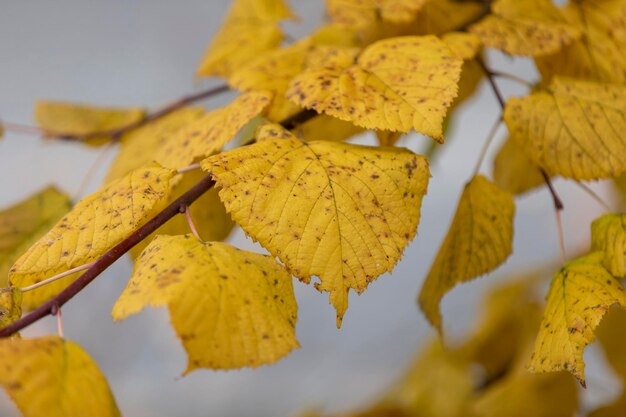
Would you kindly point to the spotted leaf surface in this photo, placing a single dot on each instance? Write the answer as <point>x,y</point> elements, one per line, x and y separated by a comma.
<point>598,53</point>
<point>514,171</point>
<point>362,13</point>
<point>572,129</point>
<point>579,296</point>
<point>341,212</point>
<point>22,224</point>
<point>139,146</point>
<point>229,307</point>
<point>75,119</point>
<point>93,226</point>
<point>249,29</point>
<point>53,377</point>
<point>608,234</point>
<point>531,27</point>
<point>396,84</point>
<point>10,305</point>
<point>480,238</point>
<point>209,133</point>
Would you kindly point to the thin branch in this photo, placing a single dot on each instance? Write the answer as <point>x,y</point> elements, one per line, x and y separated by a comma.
<point>92,170</point>
<point>21,129</point>
<point>511,77</point>
<point>490,138</point>
<point>113,254</point>
<point>594,195</point>
<point>558,207</point>
<point>56,277</point>
<point>492,82</point>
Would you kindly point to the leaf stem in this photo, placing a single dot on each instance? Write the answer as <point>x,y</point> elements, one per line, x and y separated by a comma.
<point>191,224</point>
<point>595,196</point>
<point>188,168</point>
<point>558,207</point>
<point>56,277</point>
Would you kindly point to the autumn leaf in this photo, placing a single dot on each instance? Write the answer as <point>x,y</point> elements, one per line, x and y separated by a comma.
<point>464,45</point>
<point>22,224</point>
<point>598,54</point>
<point>229,307</point>
<point>207,212</point>
<point>530,27</point>
<point>363,13</point>
<point>250,28</point>
<point>480,238</point>
<point>572,129</point>
<point>325,127</point>
<point>93,226</point>
<point>209,133</point>
<point>341,212</point>
<point>387,87</point>
<point>53,377</point>
<point>608,234</point>
<point>139,146</point>
<point>82,120</point>
<point>10,305</point>
<point>513,171</point>
<point>580,294</point>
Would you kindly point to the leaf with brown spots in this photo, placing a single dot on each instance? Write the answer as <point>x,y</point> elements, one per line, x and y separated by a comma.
<point>74,119</point>
<point>529,27</point>
<point>480,238</point>
<point>229,307</point>
<point>514,171</point>
<point>139,146</point>
<point>573,129</point>
<point>396,84</point>
<point>53,377</point>
<point>92,227</point>
<point>599,53</point>
<point>250,28</point>
<point>208,134</point>
<point>341,212</point>
<point>608,234</point>
<point>22,224</point>
<point>10,305</point>
<point>579,296</point>
<point>363,13</point>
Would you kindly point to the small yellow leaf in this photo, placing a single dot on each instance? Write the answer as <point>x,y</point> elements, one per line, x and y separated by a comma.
<point>572,129</point>
<point>250,28</point>
<point>74,119</point>
<point>363,13</point>
<point>599,53</point>
<point>138,146</point>
<point>341,212</point>
<point>209,133</point>
<point>207,212</point>
<point>92,227</point>
<point>530,27</point>
<point>580,294</point>
<point>608,234</point>
<point>464,45</point>
<point>229,307</point>
<point>22,224</point>
<point>53,377</point>
<point>480,238</point>
<point>514,171</point>
<point>10,305</point>
<point>387,88</point>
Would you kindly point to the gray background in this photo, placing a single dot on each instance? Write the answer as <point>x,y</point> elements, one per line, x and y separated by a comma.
<point>144,52</point>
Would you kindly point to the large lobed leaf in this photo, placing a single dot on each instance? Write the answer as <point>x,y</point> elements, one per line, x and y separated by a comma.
<point>341,212</point>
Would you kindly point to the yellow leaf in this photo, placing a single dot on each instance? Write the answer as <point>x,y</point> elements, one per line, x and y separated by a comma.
<point>22,224</point>
<point>581,292</point>
<point>92,227</point>
<point>514,171</point>
<point>74,119</point>
<point>10,305</point>
<point>362,13</point>
<point>464,45</point>
<point>250,28</point>
<point>572,129</point>
<point>608,234</point>
<point>441,16</point>
<point>387,138</point>
<point>53,377</point>
<point>208,214</point>
<point>530,27</point>
<point>387,88</point>
<point>480,238</point>
<point>209,133</point>
<point>325,127</point>
<point>229,307</point>
<point>341,212</point>
<point>139,146</point>
<point>599,53</point>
